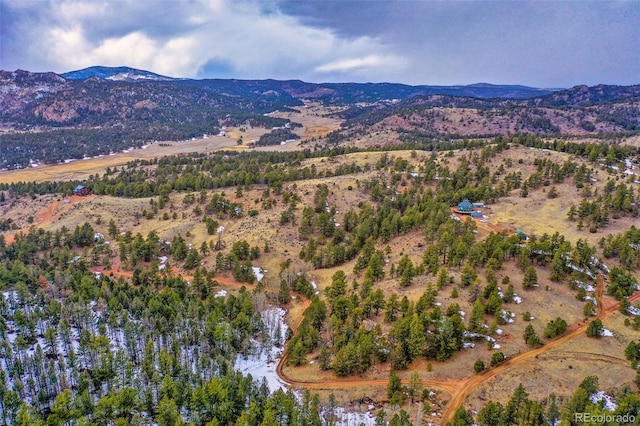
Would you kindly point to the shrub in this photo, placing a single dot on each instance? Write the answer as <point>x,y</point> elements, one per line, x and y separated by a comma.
<point>595,328</point>
<point>497,358</point>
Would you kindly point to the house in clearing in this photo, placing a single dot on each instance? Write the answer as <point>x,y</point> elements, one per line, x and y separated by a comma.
<point>465,207</point>
<point>81,190</point>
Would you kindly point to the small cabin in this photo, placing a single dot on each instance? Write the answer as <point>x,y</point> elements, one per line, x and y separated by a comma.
<point>81,190</point>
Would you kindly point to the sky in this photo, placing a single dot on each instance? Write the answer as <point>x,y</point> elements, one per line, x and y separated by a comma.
<point>539,43</point>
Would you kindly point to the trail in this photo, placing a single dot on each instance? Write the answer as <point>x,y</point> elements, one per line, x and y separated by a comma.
<point>283,360</point>
<point>46,216</point>
<point>588,356</point>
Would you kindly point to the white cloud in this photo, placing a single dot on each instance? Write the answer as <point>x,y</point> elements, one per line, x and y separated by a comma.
<point>550,44</point>
<point>184,38</point>
<point>357,64</point>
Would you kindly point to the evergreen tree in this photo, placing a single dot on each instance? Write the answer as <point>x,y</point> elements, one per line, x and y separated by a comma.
<point>530,278</point>
<point>595,328</point>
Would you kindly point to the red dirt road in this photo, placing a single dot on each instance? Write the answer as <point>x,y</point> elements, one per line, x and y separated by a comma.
<point>459,390</point>
<point>604,308</point>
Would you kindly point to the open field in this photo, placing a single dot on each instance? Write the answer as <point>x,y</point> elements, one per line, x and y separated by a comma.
<point>313,119</point>
<point>82,169</point>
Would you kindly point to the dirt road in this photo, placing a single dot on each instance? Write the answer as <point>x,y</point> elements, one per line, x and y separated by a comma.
<point>459,390</point>
<point>47,215</point>
<point>604,309</point>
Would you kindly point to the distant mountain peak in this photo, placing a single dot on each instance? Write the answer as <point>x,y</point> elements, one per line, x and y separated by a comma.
<point>115,74</point>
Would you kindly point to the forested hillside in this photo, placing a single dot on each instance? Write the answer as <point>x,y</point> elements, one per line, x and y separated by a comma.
<point>139,315</point>
<point>47,118</point>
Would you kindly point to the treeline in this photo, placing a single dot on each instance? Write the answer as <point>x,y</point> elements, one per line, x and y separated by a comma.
<point>276,137</point>
<point>193,173</point>
<point>196,172</point>
<point>581,407</point>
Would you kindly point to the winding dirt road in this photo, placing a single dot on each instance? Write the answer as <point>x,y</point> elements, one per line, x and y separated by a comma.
<point>459,390</point>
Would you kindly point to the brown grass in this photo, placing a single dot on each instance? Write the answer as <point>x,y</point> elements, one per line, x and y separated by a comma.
<point>534,215</point>
<point>561,369</point>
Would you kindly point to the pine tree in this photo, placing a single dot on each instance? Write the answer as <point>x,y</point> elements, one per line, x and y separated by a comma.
<point>595,328</point>
<point>112,229</point>
<point>528,333</point>
<point>476,319</point>
<point>517,405</point>
<point>492,414</point>
<point>443,279</point>
<point>530,278</point>
<point>168,413</point>
<point>392,308</point>
<point>462,418</point>
<point>417,339</point>
<point>394,387</point>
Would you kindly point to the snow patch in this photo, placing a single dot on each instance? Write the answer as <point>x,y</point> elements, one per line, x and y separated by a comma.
<point>341,417</point>
<point>262,361</point>
<point>609,404</point>
<point>633,310</point>
<point>258,272</point>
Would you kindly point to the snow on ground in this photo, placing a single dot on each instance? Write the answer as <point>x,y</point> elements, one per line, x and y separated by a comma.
<point>221,293</point>
<point>258,272</point>
<point>508,316</point>
<point>352,418</point>
<point>517,300</point>
<point>478,336</point>
<point>609,404</point>
<point>263,360</point>
<point>606,333</point>
<point>633,310</point>
<point>585,286</point>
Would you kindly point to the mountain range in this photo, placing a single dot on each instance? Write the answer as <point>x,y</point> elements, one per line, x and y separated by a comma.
<point>50,117</point>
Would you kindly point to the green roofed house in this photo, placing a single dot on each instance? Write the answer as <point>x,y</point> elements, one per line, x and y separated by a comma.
<point>465,206</point>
